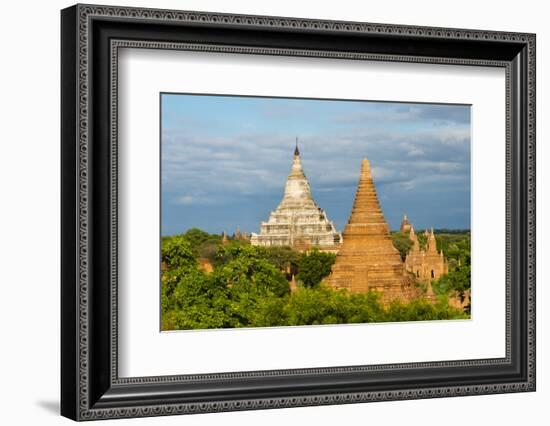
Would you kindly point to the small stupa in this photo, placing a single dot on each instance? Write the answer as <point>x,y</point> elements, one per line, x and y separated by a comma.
<point>405,224</point>
<point>367,259</point>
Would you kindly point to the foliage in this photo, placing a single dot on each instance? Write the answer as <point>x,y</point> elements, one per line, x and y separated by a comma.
<point>402,242</point>
<point>248,287</point>
<point>422,240</point>
<point>177,252</point>
<point>423,310</point>
<point>209,250</point>
<point>250,272</point>
<point>196,237</point>
<point>451,231</point>
<point>203,244</point>
<point>240,292</point>
<point>323,305</point>
<point>283,258</point>
<point>457,280</point>
<point>313,266</point>
<point>230,250</point>
<point>456,247</point>
<point>198,301</point>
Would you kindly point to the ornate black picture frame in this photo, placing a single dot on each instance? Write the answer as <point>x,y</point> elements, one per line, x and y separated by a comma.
<point>91,37</point>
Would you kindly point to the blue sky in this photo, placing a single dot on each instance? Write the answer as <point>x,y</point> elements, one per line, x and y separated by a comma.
<point>225,159</point>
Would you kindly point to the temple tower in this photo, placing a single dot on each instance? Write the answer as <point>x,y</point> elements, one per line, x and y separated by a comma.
<point>405,225</point>
<point>238,235</point>
<point>298,222</point>
<point>367,259</point>
<point>428,264</point>
<point>414,239</point>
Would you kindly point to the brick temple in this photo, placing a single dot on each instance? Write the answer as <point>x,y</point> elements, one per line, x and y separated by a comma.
<point>367,259</point>
<point>427,264</point>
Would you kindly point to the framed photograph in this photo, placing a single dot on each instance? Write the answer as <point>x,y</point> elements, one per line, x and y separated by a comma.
<point>263,212</point>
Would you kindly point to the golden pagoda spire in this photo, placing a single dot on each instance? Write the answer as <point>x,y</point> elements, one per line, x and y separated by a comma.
<point>432,245</point>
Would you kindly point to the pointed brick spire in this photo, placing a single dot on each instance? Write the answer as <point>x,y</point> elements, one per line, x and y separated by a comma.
<point>430,295</point>
<point>367,259</point>
<point>432,245</point>
<point>414,239</point>
<point>366,208</point>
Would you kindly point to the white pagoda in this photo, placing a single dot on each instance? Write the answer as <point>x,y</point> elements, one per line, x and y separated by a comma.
<point>298,222</point>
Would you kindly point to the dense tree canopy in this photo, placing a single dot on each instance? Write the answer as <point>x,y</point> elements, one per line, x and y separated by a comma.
<point>196,237</point>
<point>177,253</point>
<point>314,266</point>
<point>249,286</point>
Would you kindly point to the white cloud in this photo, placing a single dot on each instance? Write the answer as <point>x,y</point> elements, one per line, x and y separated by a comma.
<point>188,200</point>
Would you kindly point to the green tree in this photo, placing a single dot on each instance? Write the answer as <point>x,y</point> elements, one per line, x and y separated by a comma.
<point>319,305</point>
<point>249,289</point>
<point>196,237</point>
<point>457,250</point>
<point>367,308</point>
<point>422,310</point>
<point>177,252</point>
<point>401,242</point>
<point>209,249</point>
<point>283,257</point>
<point>458,280</point>
<point>231,250</point>
<point>250,271</point>
<point>313,266</point>
<point>269,312</point>
<point>324,305</point>
<point>254,285</point>
<point>198,301</point>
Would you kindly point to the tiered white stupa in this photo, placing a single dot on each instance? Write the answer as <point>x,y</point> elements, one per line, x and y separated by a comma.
<point>298,221</point>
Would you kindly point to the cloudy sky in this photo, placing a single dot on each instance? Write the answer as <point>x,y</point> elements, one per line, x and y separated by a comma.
<point>225,159</point>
